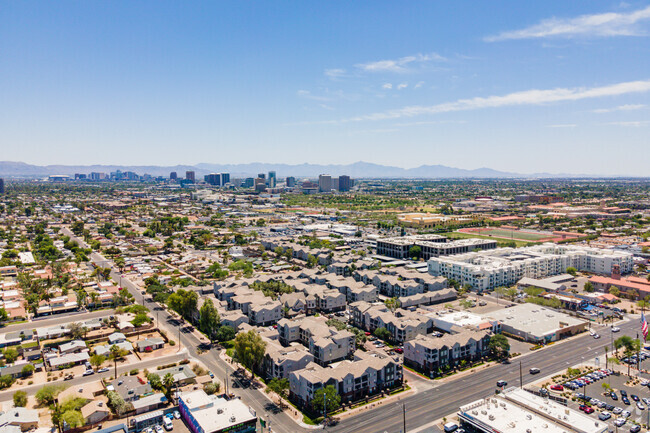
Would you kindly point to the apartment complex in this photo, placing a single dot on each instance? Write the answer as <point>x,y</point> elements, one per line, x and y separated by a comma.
<point>325,343</point>
<point>430,246</point>
<point>487,270</point>
<point>369,374</point>
<point>431,354</point>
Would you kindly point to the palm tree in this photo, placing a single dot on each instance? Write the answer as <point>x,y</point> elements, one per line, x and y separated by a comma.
<point>113,355</point>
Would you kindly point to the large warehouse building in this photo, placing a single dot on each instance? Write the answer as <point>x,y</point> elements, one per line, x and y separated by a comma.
<point>486,270</point>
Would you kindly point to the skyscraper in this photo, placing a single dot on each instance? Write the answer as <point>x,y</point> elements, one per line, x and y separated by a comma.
<point>173,175</point>
<point>189,175</point>
<point>344,183</point>
<point>2,186</point>
<point>272,180</point>
<point>325,183</point>
<point>291,181</point>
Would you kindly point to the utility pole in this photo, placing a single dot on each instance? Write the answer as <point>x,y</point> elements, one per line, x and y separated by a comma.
<point>521,377</point>
<point>404,413</point>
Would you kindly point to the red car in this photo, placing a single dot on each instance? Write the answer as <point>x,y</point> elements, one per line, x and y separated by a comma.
<point>557,388</point>
<point>399,350</point>
<point>586,409</point>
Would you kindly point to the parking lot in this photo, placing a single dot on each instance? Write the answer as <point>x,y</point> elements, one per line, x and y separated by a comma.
<point>622,408</point>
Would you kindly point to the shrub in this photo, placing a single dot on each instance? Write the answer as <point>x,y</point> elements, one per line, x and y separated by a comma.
<point>134,372</point>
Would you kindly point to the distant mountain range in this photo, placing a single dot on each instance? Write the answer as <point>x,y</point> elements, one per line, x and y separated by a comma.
<point>357,170</point>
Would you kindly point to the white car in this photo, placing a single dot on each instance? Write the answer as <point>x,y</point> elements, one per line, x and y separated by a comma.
<point>640,405</point>
<point>626,413</point>
<point>616,329</point>
<point>620,422</point>
<point>159,429</point>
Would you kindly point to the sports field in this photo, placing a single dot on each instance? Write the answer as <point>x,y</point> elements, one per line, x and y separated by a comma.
<point>522,235</point>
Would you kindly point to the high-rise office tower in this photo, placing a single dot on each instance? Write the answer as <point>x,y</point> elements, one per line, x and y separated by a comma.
<point>291,181</point>
<point>344,183</point>
<point>325,183</point>
<point>272,179</point>
<point>189,175</point>
<point>173,175</point>
<point>2,186</point>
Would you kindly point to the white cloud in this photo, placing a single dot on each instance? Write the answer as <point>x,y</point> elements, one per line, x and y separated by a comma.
<point>605,24</point>
<point>308,95</point>
<point>418,85</point>
<point>526,97</point>
<point>566,125</point>
<point>387,86</point>
<point>399,65</point>
<point>402,86</point>
<point>634,123</point>
<point>335,74</point>
<point>626,107</point>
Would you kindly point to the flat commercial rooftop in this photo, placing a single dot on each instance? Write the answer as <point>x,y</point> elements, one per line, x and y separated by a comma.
<point>534,319</point>
<point>519,411</point>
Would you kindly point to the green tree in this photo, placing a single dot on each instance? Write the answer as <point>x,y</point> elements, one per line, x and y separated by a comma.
<point>46,395</point>
<point>10,355</point>
<point>20,399</point>
<point>326,400</point>
<point>279,387</point>
<point>415,252</point>
<point>225,333</point>
<point>630,347</point>
<point>382,333</point>
<point>27,370</point>
<point>168,384</point>
<point>311,261</point>
<point>571,271</point>
<point>393,303</point>
<point>3,314</point>
<point>97,361</point>
<point>140,319</point>
<point>209,319</point>
<point>6,381</point>
<point>250,349</point>
<point>589,287</point>
<point>155,381</point>
<point>499,346</point>
<point>613,290</point>
<point>183,302</point>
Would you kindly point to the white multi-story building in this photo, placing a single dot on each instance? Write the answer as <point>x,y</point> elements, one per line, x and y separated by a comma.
<point>505,266</point>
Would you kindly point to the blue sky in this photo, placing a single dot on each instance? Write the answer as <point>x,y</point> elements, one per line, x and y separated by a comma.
<point>549,86</point>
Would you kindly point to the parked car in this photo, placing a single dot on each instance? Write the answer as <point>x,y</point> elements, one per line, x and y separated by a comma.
<point>635,428</point>
<point>177,414</point>
<point>604,416</point>
<point>69,376</point>
<point>88,372</point>
<point>159,429</point>
<point>586,409</point>
<point>619,422</point>
<point>103,370</point>
<point>557,388</point>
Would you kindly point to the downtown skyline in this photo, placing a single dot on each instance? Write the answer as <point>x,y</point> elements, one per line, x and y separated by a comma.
<point>525,88</point>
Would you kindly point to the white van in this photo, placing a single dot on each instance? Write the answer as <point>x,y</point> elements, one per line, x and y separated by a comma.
<point>450,427</point>
<point>167,423</point>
